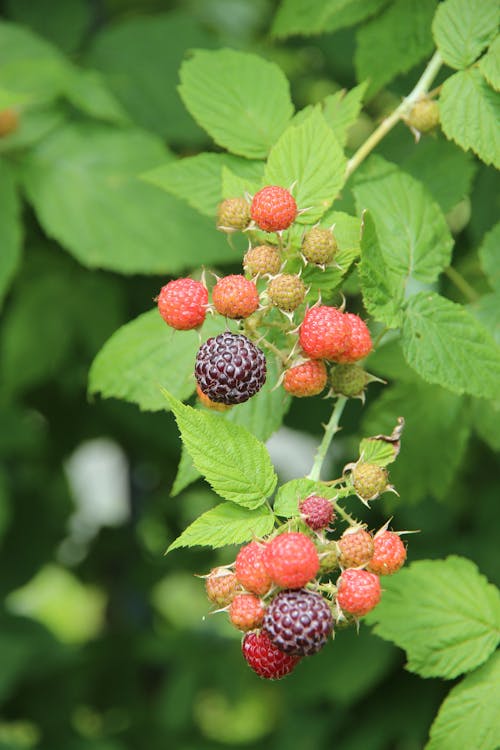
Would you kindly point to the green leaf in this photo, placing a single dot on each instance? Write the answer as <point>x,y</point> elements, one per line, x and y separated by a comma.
<point>469,715</point>
<point>10,228</point>
<point>489,65</point>
<point>140,57</point>
<point>286,502</point>
<point>490,256</point>
<point>414,238</point>
<point>448,347</point>
<point>382,450</point>
<point>232,460</point>
<point>234,185</point>
<point>34,124</point>
<point>470,112</point>
<point>487,311</point>
<point>485,420</point>
<point>316,17</point>
<point>394,42</point>
<point>382,289</point>
<point>241,100</point>
<point>145,354</point>
<point>463,29</point>
<point>226,524</point>
<point>64,24</point>
<point>310,155</point>
<point>341,110</point>
<point>198,179</point>
<point>81,179</point>
<point>435,436</point>
<point>444,614</point>
<point>88,92</point>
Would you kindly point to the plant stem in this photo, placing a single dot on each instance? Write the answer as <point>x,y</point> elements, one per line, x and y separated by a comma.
<point>389,122</point>
<point>456,278</point>
<point>344,514</point>
<point>331,428</point>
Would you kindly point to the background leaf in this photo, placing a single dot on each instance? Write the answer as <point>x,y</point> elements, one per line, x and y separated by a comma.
<point>489,65</point>
<point>312,17</point>
<point>10,228</point>
<point>341,110</point>
<point>489,256</point>
<point>463,29</point>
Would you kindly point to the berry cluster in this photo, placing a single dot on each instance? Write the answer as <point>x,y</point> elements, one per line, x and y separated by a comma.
<point>280,592</point>
<point>318,344</point>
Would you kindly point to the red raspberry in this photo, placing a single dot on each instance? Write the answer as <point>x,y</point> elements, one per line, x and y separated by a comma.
<point>389,553</point>
<point>291,560</point>
<point>250,569</point>
<point>359,342</point>
<point>286,291</point>
<point>307,379</point>
<point>183,303</point>
<point>233,214</point>
<point>317,512</point>
<point>273,208</point>
<point>356,548</point>
<point>246,612</point>
<point>235,297</point>
<point>265,659</point>
<point>324,333</point>
<point>208,403</point>
<point>221,586</point>
<point>262,260</point>
<point>358,591</point>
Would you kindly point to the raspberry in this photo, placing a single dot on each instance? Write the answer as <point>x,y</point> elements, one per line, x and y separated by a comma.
<point>319,246</point>
<point>358,591</point>
<point>250,569</point>
<point>298,622</point>
<point>389,553</point>
<point>317,512</point>
<point>328,557</point>
<point>424,116</point>
<point>246,612</point>
<point>9,121</point>
<point>286,291</point>
<point>324,333</point>
<point>369,480</point>
<point>262,260</point>
<point>230,369</point>
<point>265,659</point>
<point>356,548</point>
<point>273,208</point>
<point>291,560</point>
<point>307,379</point>
<point>208,403</point>
<point>182,303</point>
<point>348,380</point>
<point>359,342</point>
<point>221,586</point>
<point>235,297</point>
<point>233,214</point>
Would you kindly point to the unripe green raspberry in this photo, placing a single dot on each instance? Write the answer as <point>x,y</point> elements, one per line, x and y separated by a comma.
<point>328,557</point>
<point>233,214</point>
<point>348,380</point>
<point>262,260</point>
<point>286,291</point>
<point>369,480</point>
<point>319,246</point>
<point>424,115</point>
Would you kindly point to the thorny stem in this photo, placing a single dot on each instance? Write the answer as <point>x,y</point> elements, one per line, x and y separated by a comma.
<point>456,278</point>
<point>344,514</point>
<point>404,108</point>
<point>331,428</point>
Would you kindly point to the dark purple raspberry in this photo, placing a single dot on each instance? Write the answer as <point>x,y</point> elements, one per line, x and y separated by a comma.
<point>298,622</point>
<point>230,369</point>
<point>317,512</point>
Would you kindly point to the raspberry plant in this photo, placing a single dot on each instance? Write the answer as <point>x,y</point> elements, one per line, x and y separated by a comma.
<point>352,233</point>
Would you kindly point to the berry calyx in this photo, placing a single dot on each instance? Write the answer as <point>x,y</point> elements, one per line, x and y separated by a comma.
<point>355,547</point>
<point>317,512</point>
<point>262,260</point>
<point>369,480</point>
<point>324,333</point>
<point>358,591</point>
<point>246,612</point>
<point>328,557</point>
<point>208,403</point>
<point>359,341</point>
<point>273,208</point>
<point>298,622</point>
<point>9,121</point>
<point>221,586</point>
<point>307,379</point>
<point>286,291</point>
<point>235,296</point>
<point>233,214</point>
<point>319,246</point>
<point>250,569</point>
<point>389,553</point>
<point>230,369</point>
<point>265,658</point>
<point>291,560</point>
<point>348,380</point>
<point>424,115</point>
<point>182,303</point>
